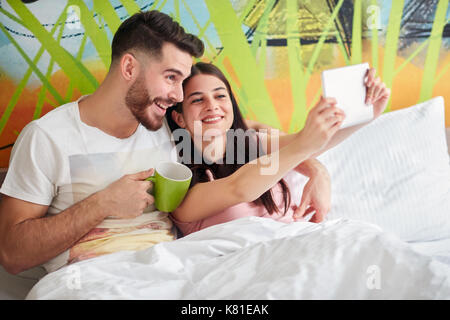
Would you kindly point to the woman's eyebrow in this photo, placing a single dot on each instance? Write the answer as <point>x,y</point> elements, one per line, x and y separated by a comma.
<point>194,93</point>
<point>198,92</point>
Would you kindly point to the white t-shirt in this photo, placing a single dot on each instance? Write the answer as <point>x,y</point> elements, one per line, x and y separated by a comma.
<point>58,160</point>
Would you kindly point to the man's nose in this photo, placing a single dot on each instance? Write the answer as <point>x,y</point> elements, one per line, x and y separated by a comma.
<point>177,94</point>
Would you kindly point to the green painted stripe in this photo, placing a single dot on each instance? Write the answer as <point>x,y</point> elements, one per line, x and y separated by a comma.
<point>441,74</point>
<point>155,3</point>
<point>131,6</point>
<point>98,36</point>
<point>83,79</point>
<point>162,5</point>
<point>70,88</point>
<point>239,95</point>
<point>299,79</point>
<point>357,33</point>
<point>374,40</point>
<point>342,49</point>
<point>248,7</point>
<point>33,66</point>
<point>22,84</point>
<point>238,51</point>
<point>391,44</point>
<point>259,44</point>
<point>316,97</point>
<point>297,76</point>
<point>12,17</point>
<point>432,59</point>
<point>210,50</point>
<point>107,11</point>
<point>260,34</point>
<point>14,99</point>
<point>43,91</point>
<point>176,5</point>
<point>422,46</point>
<point>320,43</point>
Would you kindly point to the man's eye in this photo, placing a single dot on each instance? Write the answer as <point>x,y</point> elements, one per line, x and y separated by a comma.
<point>171,77</point>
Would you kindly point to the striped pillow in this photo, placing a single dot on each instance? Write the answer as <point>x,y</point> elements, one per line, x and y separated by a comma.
<point>395,173</point>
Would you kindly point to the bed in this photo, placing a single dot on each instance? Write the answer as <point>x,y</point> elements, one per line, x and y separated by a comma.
<point>387,235</point>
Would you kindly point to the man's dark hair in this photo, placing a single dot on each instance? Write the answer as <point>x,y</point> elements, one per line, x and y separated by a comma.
<point>147,31</point>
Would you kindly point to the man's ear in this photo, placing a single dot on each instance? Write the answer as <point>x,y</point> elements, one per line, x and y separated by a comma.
<point>178,118</point>
<point>129,67</point>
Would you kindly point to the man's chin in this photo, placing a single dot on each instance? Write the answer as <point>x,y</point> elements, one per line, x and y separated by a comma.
<point>151,125</point>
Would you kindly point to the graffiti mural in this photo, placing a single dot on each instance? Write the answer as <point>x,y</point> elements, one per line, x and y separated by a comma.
<point>273,51</point>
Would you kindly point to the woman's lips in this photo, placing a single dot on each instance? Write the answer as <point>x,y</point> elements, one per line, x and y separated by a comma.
<point>211,120</point>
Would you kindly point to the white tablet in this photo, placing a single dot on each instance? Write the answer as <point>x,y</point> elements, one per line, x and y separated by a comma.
<point>346,85</point>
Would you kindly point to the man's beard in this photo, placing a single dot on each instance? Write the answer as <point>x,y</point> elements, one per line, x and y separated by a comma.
<point>138,101</point>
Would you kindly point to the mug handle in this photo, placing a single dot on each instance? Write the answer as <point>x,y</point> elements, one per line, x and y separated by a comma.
<point>151,178</point>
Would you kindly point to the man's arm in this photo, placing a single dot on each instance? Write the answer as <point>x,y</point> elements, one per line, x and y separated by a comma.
<point>29,238</point>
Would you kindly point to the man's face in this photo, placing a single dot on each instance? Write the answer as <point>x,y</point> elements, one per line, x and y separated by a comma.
<point>158,86</point>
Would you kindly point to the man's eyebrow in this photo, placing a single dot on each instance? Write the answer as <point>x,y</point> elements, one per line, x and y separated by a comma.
<point>175,71</point>
<point>198,92</point>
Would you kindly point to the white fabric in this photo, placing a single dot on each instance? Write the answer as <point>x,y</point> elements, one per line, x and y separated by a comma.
<point>259,258</point>
<point>58,160</point>
<point>394,172</point>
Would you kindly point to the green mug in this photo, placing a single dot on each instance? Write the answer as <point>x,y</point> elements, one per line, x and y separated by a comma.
<point>170,184</point>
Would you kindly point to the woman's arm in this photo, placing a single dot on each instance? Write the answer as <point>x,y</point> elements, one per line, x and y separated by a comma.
<point>254,178</point>
<point>274,139</point>
<point>376,94</point>
<point>245,185</point>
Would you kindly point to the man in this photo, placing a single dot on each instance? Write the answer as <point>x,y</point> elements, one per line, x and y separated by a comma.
<point>76,187</point>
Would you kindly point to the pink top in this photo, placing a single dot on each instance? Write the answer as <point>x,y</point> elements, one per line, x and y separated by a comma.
<point>245,209</point>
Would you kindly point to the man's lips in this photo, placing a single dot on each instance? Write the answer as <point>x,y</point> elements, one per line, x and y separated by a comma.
<point>161,108</point>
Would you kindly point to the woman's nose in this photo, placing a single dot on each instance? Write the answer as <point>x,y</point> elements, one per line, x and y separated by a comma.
<point>210,105</point>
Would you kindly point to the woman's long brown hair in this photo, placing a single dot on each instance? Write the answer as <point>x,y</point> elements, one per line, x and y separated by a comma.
<point>225,169</point>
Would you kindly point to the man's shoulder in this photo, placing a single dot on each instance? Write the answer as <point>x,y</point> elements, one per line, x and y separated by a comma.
<point>59,113</point>
<point>60,118</point>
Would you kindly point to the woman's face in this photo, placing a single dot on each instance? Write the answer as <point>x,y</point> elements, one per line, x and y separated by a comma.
<point>206,106</point>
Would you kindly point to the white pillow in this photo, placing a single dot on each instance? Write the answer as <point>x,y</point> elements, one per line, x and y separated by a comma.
<point>394,172</point>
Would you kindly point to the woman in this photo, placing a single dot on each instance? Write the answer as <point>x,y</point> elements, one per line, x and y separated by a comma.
<point>222,190</point>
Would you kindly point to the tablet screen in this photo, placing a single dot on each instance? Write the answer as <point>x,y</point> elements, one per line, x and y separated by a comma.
<point>346,85</point>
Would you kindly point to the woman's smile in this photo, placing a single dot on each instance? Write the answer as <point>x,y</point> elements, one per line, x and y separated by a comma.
<point>212,119</point>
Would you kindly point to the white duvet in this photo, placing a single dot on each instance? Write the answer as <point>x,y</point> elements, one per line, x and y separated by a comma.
<point>257,258</point>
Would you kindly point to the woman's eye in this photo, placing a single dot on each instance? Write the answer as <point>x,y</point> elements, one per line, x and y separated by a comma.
<point>221,96</point>
<point>171,77</point>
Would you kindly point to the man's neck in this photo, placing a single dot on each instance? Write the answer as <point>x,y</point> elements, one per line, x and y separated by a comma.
<point>105,109</point>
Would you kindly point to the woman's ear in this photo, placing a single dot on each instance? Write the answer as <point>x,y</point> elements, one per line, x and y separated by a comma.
<point>178,118</point>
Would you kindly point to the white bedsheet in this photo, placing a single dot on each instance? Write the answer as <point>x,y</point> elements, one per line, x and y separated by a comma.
<point>257,258</point>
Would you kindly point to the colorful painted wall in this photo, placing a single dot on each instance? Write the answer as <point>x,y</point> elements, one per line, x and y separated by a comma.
<point>53,51</point>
